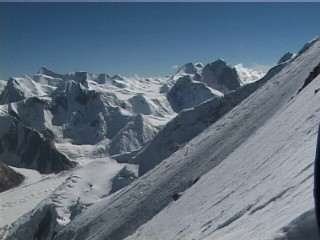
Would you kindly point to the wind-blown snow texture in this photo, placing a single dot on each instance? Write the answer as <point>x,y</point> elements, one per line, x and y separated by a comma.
<point>257,181</point>
<point>51,122</point>
<point>247,176</point>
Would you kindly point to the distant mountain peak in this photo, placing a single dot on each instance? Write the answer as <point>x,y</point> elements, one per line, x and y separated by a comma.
<point>199,65</point>
<point>221,76</point>
<point>188,68</point>
<point>45,71</point>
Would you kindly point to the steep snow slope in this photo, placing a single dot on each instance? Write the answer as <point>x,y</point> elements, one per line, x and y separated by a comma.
<point>83,116</point>
<point>259,191</point>
<point>271,116</point>
<point>131,112</point>
<point>198,118</point>
<point>189,123</point>
<point>87,109</point>
<point>8,177</point>
<point>18,89</point>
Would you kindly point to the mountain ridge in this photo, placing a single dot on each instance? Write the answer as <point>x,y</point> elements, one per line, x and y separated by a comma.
<point>140,192</point>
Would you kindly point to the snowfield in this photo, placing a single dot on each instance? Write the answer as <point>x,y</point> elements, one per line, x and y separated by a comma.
<point>235,162</point>
<point>260,182</point>
<point>16,202</point>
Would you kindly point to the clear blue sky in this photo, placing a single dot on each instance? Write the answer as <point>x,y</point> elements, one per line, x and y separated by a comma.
<point>148,39</point>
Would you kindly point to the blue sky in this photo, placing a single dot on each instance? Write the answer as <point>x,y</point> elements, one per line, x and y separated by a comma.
<point>149,39</point>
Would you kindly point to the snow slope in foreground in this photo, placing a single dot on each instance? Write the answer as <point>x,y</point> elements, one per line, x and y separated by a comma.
<point>260,185</point>
<point>259,190</point>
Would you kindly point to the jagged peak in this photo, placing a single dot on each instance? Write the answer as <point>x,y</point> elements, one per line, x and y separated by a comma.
<point>188,68</point>
<point>16,80</point>
<point>45,71</point>
<point>218,65</point>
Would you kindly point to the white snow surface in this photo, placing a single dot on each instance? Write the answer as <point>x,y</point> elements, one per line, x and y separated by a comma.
<point>248,75</point>
<point>128,112</point>
<point>257,190</point>
<point>255,166</point>
<point>16,202</point>
<point>249,175</point>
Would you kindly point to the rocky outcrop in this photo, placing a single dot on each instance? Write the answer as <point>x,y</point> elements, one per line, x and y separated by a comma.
<point>313,74</point>
<point>220,76</point>
<point>187,93</point>
<point>21,146</point>
<point>9,178</point>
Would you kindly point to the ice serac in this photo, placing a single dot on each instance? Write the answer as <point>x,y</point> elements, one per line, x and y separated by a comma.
<point>253,183</point>
<point>187,93</point>
<point>220,76</point>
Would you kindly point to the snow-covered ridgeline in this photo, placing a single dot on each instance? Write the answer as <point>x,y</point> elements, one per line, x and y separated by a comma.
<point>53,216</point>
<point>61,109</point>
<point>189,123</point>
<point>271,114</point>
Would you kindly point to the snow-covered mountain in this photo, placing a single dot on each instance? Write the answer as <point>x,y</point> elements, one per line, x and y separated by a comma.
<point>247,75</point>
<point>21,146</point>
<point>110,115</point>
<point>255,183</point>
<point>53,122</point>
<point>187,93</point>
<point>9,178</point>
<point>233,161</point>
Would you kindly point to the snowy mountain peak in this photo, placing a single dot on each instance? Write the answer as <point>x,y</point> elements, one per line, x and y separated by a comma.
<point>221,76</point>
<point>188,68</point>
<point>187,93</point>
<point>248,75</point>
<point>199,65</point>
<point>45,71</point>
<point>201,163</point>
